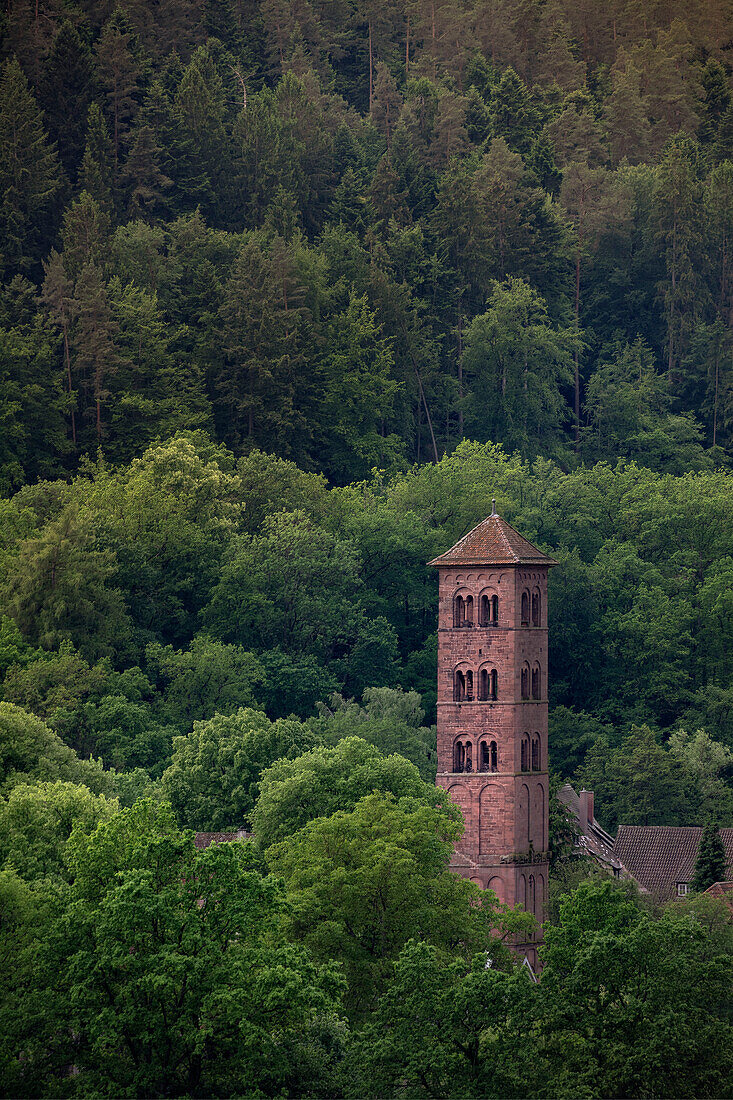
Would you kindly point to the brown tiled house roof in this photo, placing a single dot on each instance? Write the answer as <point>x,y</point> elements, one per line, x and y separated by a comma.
<point>203,840</point>
<point>660,856</point>
<point>721,890</point>
<point>493,542</point>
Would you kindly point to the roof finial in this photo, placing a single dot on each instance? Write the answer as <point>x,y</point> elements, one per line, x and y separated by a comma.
<point>493,506</point>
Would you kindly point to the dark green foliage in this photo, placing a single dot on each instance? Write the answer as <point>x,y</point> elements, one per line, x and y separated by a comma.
<point>710,866</point>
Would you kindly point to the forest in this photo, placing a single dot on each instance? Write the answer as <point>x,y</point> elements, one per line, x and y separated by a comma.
<point>290,291</point>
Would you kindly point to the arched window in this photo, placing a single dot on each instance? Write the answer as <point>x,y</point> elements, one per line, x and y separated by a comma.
<point>536,686</point>
<point>525,608</point>
<point>483,684</point>
<point>494,610</point>
<point>485,757</point>
<point>493,686</point>
<point>468,751</point>
<point>459,611</point>
<point>469,685</point>
<point>458,757</point>
<point>536,608</point>
<point>535,754</point>
<point>468,614</point>
<point>525,681</point>
<point>494,756</point>
<point>459,687</point>
<point>483,611</point>
<point>524,763</point>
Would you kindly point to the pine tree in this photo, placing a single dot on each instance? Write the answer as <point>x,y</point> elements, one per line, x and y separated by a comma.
<point>66,92</point>
<point>710,865</point>
<point>93,340</point>
<point>29,171</point>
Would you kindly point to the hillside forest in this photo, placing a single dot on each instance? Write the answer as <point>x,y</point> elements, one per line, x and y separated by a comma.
<point>290,291</point>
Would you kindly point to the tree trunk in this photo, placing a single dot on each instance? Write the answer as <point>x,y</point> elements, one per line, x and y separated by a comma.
<point>577,367</point>
<point>67,356</point>
<point>407,49</point>
<point>460,377</point>
<point>371,69</point>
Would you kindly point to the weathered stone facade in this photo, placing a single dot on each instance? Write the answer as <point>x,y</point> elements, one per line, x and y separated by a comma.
<point>492,710</point>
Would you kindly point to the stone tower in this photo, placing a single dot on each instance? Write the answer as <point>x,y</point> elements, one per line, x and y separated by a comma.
<point>492,709</point>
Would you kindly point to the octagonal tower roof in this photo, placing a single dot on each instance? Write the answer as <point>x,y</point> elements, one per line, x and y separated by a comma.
<point>493,541</point>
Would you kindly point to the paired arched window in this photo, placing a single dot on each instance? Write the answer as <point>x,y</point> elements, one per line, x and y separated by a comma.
<point>536,753</point>
<point>524,753</point>
<point>488,612</point>
<point>524,681</point>
<point>462,610</point>
<point>488,685</point>
<point>525,608</point>
<point>463,756</point>
<point>488,756</point>
<point>536,683</point>
<point>536,608</point>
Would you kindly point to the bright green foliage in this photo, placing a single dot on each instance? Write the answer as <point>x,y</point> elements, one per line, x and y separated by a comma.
<point>710,865</point>
<point>358,396</point>
<point>296,586</point>
<point>30,751</point>
<point>169,517</point>
<point>440,1029</point>
<point>213,779</point>
<point>171,973</point>
<point>364,881</point>
<point>629,1005</point>
<point>627,407</point>
<point>36,820</point>
<point>517,362</point>
<point>391,720</point>
<point>324,780</point>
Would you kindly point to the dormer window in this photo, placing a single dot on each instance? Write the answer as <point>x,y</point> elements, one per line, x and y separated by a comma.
<point>682,889</point>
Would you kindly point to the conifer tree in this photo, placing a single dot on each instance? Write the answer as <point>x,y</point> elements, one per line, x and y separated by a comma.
<point>66,92</point>
<point>142,177</point>
<point>710,864</point>
<point>119,65</point>
<point>85,234</point>
<point>29,171</point>
<point>57,294</point>
<point>94,351</point>
<point>97,170</point>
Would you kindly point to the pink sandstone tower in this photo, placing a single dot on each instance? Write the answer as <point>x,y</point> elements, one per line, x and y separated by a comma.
<point>492,709</point>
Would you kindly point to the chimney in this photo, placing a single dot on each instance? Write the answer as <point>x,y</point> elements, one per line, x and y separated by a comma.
<point>586,810</point>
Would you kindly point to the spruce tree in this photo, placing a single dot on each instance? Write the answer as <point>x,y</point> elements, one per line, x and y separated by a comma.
<point>97,170</point>
<point>66,93</point>
<point>29,171</point>
<point>710,863</point>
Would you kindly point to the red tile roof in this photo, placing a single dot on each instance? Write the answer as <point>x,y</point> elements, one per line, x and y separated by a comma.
<point>493,542</point>
<point>660,856</point>
<point>722,890</point>
<point>203,840</point>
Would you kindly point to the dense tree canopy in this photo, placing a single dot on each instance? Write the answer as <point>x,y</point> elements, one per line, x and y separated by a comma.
<point>288,293</point>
